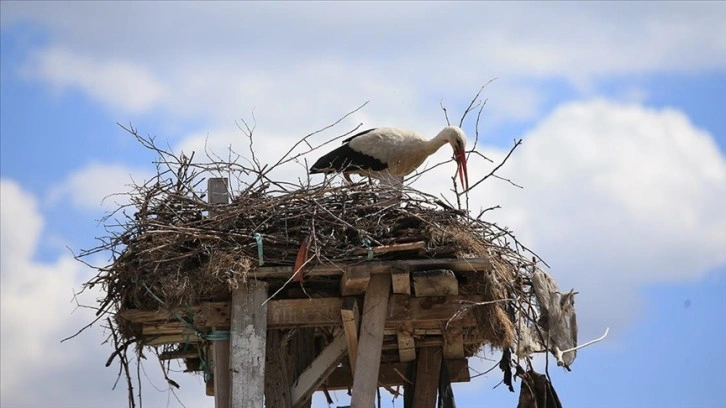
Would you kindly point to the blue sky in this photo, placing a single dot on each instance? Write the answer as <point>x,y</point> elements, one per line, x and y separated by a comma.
<point>624,160</point>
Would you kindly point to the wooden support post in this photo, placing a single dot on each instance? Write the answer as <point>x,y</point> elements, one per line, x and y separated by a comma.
<point>351,322</point>
<point>406,343</point>
<point>217,194</point>
<point>248,331</point>
<point>401,279</point>
<point>428,370</point>
<point>318,371</point>
<point>221,374</point>
<point>302,354</point>
<point>277,384</point>
<point>454,340</point>
<point>365,378</point>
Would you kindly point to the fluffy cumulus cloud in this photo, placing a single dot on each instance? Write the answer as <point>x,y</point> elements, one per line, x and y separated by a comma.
<point>31,292</point>
<point>37,311</point>
<point>122,84</point>
<point>616,196</point>
<point>98,186</point>
<point>217,68</point>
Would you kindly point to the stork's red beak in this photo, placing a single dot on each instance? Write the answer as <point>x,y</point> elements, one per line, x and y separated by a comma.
<point>460,157</point>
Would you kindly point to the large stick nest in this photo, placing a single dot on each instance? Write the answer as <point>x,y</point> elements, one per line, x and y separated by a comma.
<point>172,249</point>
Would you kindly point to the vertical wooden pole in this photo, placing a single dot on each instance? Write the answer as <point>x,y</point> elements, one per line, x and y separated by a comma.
<point>351,321</point>
<point>217,194</point>
<point>277,383</point>
<point>428,369</point>
<point>248,332</point>
<point>368,361</point>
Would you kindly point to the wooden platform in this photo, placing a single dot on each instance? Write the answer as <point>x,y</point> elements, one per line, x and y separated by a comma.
<point>379,323</point>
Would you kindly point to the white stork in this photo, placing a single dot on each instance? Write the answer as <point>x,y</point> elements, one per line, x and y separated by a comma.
<point>384,152</point>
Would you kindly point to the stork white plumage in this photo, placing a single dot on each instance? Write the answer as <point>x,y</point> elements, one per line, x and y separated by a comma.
<point>383,153</point>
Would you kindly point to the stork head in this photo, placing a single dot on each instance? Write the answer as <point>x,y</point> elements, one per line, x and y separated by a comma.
<point>457,140</point>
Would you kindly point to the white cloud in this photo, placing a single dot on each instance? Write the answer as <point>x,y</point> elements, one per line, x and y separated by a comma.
<point>120,83</point>
<point>98,186</point>
<point>37,312</point>
<point>616,197</point>
<point>218,69</point>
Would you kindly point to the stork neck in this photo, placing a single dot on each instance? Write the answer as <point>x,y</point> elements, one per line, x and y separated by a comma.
<point>435,144</point>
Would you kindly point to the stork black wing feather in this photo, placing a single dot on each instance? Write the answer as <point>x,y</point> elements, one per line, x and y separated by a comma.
<point>346,159</point>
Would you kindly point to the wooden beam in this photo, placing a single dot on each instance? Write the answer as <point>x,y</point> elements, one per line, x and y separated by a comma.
<point>221,373</point>
<point>248,333</point>
<point>454,340</point>
<point>422,313</point>
<point>182,338</point>
<point>314,312</point>
<point>385,249</point>
<point>437,282</point>
<point>406,343</point>
<point>393,374</point>
<point>351,321</point>
<point>354,282</point>
<point>403,308</point>
<point>427,378</point>
<point>375,306</point>
<point>376,267</point>
<point>318,371</point>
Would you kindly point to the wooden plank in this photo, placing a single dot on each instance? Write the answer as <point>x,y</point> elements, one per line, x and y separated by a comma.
<point>354,282</point>
<point>318,371</point>
<point>377,267</point>
<point>304,312</point>
<point>430,340</point>
<point>159,328</point>
<point>301,354</point>
<point>211,314</point>
<point>406,343</point>
<point>326,311</point>
<point>426,385</point>
<point>401,280</point>
<point>217,191</point>
<point>393,374</point>
<point>436,282</point>
<point>454,340</point>
<point>248,333</point>
<point>190,352</point>
<point>277,385</point>
<point>422,313</point>
<point>221,373</point>
<point>182,338</point>
<point>144,316</point>
<point>351,321</point>
<point>368,360</point>
<point>385,249</point>
<point>403,308</point>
